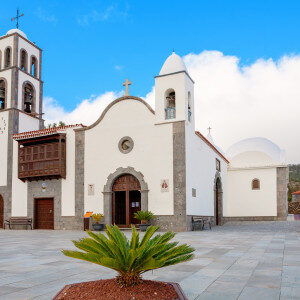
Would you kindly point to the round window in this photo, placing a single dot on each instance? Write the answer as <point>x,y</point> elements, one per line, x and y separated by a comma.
<point>126,144</point>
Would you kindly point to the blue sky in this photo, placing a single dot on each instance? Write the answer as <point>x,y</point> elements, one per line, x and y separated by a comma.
<point>91,46</point>
<point>243,55</point>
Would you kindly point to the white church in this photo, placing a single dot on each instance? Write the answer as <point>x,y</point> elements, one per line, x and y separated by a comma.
<point>132,158</point>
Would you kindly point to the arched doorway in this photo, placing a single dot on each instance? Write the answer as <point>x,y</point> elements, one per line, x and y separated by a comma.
<point>1,211</point>
<point>126,200</point>
<point>218,200</point>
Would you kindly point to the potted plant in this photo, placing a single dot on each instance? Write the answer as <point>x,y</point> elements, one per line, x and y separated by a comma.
<point>144,217</point>
<point>130,259</point>
<point>97,218</point>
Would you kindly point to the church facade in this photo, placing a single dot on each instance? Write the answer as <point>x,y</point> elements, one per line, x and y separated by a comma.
<point>132,158</point>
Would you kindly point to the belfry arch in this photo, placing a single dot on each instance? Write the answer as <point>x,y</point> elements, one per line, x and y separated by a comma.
<point>108,191</point>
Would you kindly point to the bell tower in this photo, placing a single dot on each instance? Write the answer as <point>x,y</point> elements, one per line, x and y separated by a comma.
<point>174,92</point>
<point>21,92</point>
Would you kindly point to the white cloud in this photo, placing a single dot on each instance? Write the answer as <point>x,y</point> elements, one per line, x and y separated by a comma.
<point>260,99</point>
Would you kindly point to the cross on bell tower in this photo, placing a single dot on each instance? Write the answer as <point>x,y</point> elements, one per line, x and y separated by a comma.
<point>127,83</point>
<point>17,17</point>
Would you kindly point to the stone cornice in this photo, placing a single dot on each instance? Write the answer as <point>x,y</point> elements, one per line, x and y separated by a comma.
<point>20,36</point>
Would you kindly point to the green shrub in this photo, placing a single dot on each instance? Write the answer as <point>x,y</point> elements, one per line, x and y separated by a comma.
<point>143,216</point>
<point>131,258</point>
<point>97,217</point>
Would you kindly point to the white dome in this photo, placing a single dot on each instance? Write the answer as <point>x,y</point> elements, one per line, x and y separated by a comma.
<point>174,63</point>
<point>17,31</point>
<point>260,149</point>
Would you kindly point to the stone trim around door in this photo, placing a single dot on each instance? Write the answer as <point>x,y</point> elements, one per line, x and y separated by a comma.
<point>107,191</point>
<point>220,199</point>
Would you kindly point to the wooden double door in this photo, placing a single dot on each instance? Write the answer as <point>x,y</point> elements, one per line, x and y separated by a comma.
<point>126,200</point>
<point>44,213</point>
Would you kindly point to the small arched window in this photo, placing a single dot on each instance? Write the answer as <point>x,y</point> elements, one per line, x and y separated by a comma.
<point>170,102</point>
<point>255,184</point>
<point>2,94</point>
<point>7,58</point>
<point>28,98</point>
<point>33,66</point>
<point>189,107</point>
<point>23,64</point>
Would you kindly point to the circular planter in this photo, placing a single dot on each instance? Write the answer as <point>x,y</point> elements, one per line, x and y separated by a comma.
<point>64,293</point>
<point>98,227</point>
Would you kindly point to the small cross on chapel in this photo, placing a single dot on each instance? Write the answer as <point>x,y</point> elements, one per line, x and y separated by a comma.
<point>127,83</point>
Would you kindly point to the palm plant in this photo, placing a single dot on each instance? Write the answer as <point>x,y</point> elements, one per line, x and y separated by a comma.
<point>143,216</point>
<point>131,258</point>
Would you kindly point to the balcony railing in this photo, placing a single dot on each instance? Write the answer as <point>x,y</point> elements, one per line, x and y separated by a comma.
<point>40,159</point>
<point>170,113</point>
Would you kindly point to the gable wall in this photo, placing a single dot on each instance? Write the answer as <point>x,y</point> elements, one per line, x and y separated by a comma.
<point>152,154</point>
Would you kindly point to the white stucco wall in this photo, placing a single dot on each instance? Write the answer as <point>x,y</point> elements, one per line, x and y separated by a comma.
<point>68,184</point>
<point>251,159</point>
<point>200,172</point>
<point>242,201</point>
<point>4,145</point>
<point>19,188</point>
<point>152,154</point>
<point>5,42</point>
<point>27,123</point>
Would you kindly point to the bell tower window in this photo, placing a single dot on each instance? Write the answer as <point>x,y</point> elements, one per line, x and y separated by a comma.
<point>189,107</point>
<point>33,66</point>
<point>28,98</point>
<point>23,65</point>
<point>7,58</point>
<point>170,101</point>
<point>2,94</point>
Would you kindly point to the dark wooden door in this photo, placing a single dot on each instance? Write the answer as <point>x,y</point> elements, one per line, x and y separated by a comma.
<point>126,200</point>
<point>1,212</point>
<point>217,206</point>
<point>44,213</point>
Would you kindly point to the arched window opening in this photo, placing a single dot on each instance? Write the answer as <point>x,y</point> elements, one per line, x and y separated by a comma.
<point>0,60</point>
<point>23,65</point>
<point>255,184</point>
<point>28,98</point>
<point>2,94</point>
<point>170,104</point>
<point>33,66</point>
<point>189,107</point>
<point>7,58</point>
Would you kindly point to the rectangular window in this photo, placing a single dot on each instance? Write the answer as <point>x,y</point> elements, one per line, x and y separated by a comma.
<point>194,192</point>
<point>218,165</point>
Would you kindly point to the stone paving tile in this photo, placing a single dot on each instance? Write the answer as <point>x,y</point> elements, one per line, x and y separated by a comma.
<point>256,260</point>
<point>259,293</point>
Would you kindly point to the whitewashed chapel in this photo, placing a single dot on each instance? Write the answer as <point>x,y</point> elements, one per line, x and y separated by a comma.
<point>131,158</point>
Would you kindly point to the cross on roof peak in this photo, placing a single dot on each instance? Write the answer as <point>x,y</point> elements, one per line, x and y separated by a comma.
<point>127,83</point>
<point>17,17</point>
<point>209,129</point>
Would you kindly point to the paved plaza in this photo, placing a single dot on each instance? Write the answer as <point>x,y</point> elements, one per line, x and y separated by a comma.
<point>235,261</point>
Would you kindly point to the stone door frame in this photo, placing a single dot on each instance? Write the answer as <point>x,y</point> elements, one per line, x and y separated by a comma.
<point>220,199</point>
<point>107,191</point>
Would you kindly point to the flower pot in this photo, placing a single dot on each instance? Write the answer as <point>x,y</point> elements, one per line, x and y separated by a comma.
<point>97,226</point>
<point>143,227</point>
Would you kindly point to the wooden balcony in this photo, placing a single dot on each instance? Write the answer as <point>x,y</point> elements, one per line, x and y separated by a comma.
<point>42,158</point>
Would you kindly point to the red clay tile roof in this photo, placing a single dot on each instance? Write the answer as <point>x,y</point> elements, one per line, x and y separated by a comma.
<point>43,132</point>
<point>211,145</point>
<point>296,193</point>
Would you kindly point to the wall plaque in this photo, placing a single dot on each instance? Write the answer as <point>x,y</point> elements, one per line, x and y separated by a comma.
<point>164,185</point>
<point>91,189</point>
